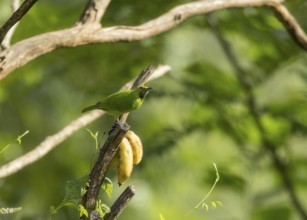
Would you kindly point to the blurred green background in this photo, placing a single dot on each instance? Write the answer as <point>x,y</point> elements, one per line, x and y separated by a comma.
<point>196,115</point>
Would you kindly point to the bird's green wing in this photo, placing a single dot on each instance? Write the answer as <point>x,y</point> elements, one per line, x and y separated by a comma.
<point>120,102</point>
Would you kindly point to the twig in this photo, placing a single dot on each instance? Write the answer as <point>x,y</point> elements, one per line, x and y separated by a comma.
<point>289,22</point>
<point>140,80</point>
<point>16,16</point>
<point>24,51</point>
<point>93,11</point>
<point>7,39</point>
<point>268,146</point>
<point>120,204</point>
<point>107,152</point>
<point>54,140</point>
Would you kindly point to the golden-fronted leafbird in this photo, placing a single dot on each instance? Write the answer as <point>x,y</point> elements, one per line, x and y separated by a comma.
<point>121,102</point>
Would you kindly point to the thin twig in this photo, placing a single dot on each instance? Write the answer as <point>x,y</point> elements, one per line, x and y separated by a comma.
<point>7,39</point>
<point>139,81</point>
<point>268,146</point>
<point>54,140</point>
<point>16,16</point>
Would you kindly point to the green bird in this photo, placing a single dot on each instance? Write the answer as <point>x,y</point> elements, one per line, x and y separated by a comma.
<point>121,102</point>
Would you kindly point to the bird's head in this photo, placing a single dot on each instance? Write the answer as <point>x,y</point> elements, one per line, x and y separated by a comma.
<point>143,90</point>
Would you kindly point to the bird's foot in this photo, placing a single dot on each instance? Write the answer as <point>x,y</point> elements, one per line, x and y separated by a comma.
<point>123,126</point>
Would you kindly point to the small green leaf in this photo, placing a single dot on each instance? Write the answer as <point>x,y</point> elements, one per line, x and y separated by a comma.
<point>82,211</point>
<point>94,136</point>
<point>213,205</point>
<point>83,191</point>
<point>203,205</point>
<point>21,136</point>
<point>18,139</point>
<point>53,210</point>
<point>102,208</point>
<point>161,216</point>
<point>219,203</point>
<point>73,194</point>
<point>107,186</point>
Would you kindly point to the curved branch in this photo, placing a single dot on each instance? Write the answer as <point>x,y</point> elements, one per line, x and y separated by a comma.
<point>27,50</point>
<point>291,25</point>
<point>54,140</point>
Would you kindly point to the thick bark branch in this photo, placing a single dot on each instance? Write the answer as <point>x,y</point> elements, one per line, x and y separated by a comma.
<point>27,50</point>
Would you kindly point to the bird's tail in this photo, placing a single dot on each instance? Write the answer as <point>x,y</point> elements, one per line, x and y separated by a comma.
<point>89,108</point>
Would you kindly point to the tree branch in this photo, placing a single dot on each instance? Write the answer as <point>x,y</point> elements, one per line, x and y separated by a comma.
<point>48,144</point>
<point>97,174</point>
<point>291,25</point>
<point>28,49</point>
<point>120,204</point>
<point>7,39</point>
<point>142,78</point>
<point>54,140</point>
<point>93,11</point>
<point>267,145</point>
<point>108,151</point>
<point>16,16</point>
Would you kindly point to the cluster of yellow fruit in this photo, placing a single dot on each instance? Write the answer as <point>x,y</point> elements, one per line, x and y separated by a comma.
<point>130,153</point>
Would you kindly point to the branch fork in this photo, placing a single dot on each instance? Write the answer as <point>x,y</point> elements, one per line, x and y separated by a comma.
<point>107,153</point>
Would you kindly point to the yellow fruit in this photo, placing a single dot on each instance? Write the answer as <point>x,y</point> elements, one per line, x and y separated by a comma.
<point>125,166</point>
<point>136,145</point>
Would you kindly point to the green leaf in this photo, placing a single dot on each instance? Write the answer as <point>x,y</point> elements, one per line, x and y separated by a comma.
<point>74,190</point>
<point>107,186</point>
<point>161,216</point>
<point>213,205</point>
<point>82,211</point>
<point>219,203</point>
<point>53,210</point>
<point>94,136</point>
<point>21,136</point>
<point>102,208</point>
<point>207,207</point>
<point>18,139</point>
